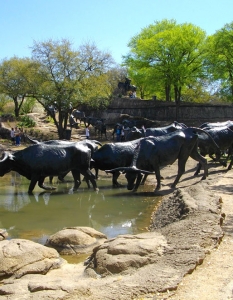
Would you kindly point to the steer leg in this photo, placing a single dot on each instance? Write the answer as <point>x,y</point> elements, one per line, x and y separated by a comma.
<point>181,170</point>
<point>202,163</point>
<point>198,169</point>
<point>45,187</point>
<point>230,155</point>
<point>89,176</point>
<point>230,165</point>
<point>138,181</point>
<point>32,185</point>
<point>96,173</point>
<point>77,179</point>
<point>144,179</point>
<point>158,178</point>
<point>115,176</point>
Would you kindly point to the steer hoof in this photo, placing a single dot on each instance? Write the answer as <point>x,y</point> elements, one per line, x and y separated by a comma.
<point>48,188</point>
<point>61,179</point>
<point>116,185</point>
<point>76,186</point>
<point>158,187</point>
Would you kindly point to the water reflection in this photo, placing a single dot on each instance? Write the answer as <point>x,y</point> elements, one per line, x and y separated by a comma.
<point>35,217</point>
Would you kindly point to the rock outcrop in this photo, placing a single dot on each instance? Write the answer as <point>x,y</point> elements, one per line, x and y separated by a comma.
<point>75,240</point>
<point>20,257</point>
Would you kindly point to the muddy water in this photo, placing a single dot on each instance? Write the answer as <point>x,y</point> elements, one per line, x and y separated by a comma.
<point>35,217</point>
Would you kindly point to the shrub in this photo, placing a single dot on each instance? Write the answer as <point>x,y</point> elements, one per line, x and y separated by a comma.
<point>28,105</point>
<point>7,117</point>
<point>26,121</point>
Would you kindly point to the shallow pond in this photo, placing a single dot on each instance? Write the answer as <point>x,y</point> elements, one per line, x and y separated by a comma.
<point>35,217</point>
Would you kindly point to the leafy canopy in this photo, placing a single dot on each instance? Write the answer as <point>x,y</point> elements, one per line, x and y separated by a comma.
<point>170,56</point>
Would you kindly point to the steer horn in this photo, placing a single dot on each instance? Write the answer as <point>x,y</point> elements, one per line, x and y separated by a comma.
<point>129,169</point>
<point>5,156</point>
<point>32,141</point>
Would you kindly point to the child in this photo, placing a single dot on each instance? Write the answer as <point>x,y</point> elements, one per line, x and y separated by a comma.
<point>17,136</point>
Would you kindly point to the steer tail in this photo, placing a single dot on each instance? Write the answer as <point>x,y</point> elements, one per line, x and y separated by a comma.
<point>202,131</point>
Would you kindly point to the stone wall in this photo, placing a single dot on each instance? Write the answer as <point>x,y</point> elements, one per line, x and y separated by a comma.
<point>188,113</point>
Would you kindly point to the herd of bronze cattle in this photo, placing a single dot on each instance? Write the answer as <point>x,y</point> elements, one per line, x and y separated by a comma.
<point>143,152</point>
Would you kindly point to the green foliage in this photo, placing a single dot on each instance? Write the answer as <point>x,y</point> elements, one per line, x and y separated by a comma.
<point>17,80</point>
<point>8,117</point>
<point>219,60</point>
<point>26,121</point>
<point>3,101</point>
<point>28,105</point>
<point>68,78</point>
<point>168,55</point>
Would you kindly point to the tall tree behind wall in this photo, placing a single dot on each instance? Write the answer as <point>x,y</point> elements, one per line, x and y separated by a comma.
<point>219,60</point>
<point>65,76</point>
<point>170,56</point>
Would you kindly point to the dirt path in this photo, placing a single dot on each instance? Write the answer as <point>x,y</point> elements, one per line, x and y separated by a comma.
<point>213,280</point>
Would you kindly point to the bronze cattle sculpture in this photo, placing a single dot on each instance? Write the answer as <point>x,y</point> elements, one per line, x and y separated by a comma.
<point>39,161</point>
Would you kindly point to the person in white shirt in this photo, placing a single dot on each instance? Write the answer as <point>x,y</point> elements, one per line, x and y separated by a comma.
<point>12,134</point>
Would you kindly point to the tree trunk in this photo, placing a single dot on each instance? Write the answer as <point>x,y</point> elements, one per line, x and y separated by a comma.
<point>61,131</point>
<point>16,106</point>
<point>177,91</point>
<point>168,92</point>
<point>231,81</point>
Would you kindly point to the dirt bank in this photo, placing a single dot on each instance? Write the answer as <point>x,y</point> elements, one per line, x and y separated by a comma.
<point>213,279</point>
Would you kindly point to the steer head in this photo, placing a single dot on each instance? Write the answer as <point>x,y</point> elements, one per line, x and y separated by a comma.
<point>134,134</point>
<point>131,174</point>
<point>5,163</point>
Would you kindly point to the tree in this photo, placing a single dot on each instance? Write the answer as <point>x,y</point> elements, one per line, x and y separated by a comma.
<point>4,100</point>
<point>67,78</point>
<point>170,55</point>
<point>16,80</point>
<point>219,59</point>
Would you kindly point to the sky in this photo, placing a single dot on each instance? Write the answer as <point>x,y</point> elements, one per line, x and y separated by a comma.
<point>109,24</point>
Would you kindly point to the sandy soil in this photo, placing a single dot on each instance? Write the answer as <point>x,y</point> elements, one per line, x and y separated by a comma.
<point>213,280</point>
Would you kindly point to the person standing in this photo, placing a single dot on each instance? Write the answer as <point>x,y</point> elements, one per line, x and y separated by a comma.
<point>87,133</point>
<point>17,136</point>
<point>12,134</point>
<point>118,133</point>
<point>123,134</point>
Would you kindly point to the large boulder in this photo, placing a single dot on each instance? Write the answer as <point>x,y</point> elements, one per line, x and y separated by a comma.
<point>19,257</point>
<point>76,240</point>
<point>127,253</point>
